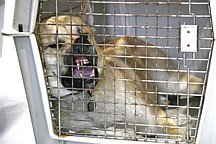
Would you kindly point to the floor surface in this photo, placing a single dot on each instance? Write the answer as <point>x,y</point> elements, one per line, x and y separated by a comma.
<point>15,123</point>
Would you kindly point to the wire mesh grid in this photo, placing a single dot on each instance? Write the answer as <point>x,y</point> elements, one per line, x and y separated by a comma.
<point>114,69</point>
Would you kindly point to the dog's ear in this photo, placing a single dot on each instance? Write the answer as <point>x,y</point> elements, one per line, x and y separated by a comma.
<point>86,12</point>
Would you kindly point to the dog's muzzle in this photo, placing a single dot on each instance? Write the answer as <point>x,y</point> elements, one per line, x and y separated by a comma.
<point>81,60</point>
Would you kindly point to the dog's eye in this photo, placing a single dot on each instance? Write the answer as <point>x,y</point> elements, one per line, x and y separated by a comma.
<point>55,45</point>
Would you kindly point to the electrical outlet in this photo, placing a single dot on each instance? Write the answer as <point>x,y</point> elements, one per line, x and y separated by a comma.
<point>189,38</point>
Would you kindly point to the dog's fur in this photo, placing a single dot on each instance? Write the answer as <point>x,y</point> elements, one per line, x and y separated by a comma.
<point>120,81</point>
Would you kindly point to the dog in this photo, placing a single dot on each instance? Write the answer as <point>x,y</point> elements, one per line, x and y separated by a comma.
<point>115,76</point>
<point>56,44</point>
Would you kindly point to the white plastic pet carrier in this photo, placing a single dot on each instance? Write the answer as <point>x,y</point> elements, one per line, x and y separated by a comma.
<point>181,29</point>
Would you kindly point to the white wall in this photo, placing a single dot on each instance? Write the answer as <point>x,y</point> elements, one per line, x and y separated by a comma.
<point>15,123</point>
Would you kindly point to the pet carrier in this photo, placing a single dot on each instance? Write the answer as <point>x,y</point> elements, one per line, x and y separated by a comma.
<point>120,71</point>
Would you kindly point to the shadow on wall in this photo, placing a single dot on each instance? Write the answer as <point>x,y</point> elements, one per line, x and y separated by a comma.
<point>10,113</point>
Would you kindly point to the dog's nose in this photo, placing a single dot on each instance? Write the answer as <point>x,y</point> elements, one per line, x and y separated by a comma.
<point>82,39</point>
<point>81,45</point>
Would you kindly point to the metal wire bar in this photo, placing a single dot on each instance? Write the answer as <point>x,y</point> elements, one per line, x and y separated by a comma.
<point>58,71</point>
